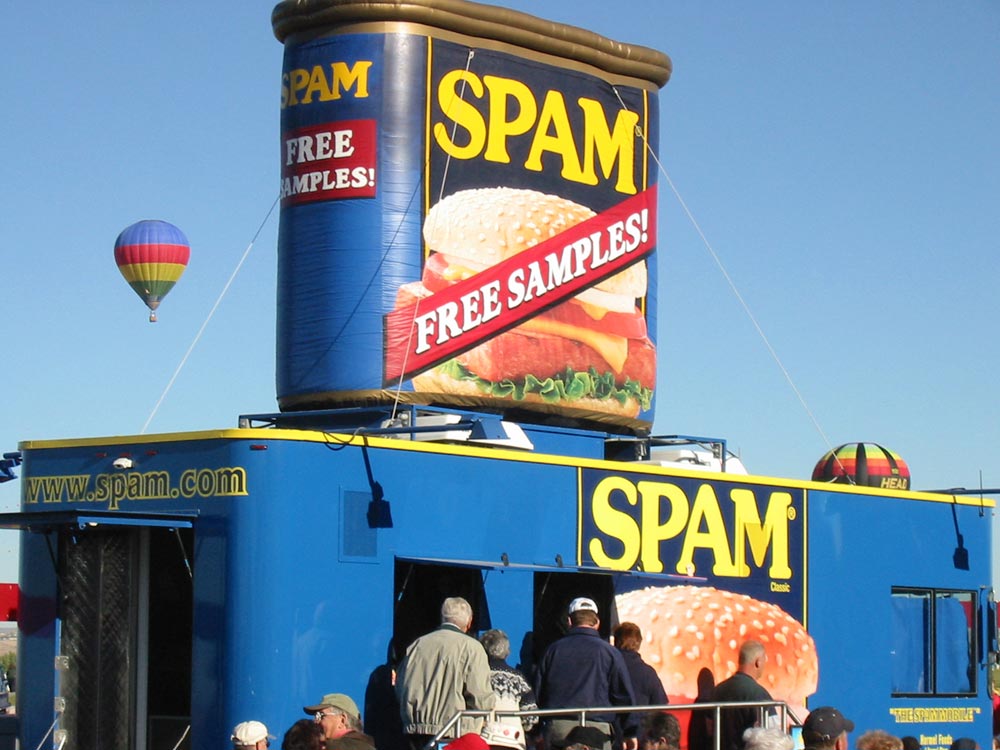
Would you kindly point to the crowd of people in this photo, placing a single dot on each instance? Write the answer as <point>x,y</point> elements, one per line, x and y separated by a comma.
<point>447,671</point>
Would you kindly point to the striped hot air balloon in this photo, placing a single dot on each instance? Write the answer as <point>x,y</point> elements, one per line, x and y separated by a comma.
<point>865,464</point>
<point>152,255</point>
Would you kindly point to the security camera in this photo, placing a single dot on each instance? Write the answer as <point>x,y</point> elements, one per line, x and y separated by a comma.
<point>123,463</point>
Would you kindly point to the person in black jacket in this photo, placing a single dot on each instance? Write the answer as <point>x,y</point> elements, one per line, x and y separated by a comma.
<point>742,687</point>
<point>582,670</point>
<point>646,685</point>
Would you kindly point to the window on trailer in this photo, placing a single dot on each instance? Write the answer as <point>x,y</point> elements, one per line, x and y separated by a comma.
<point>934,641</point>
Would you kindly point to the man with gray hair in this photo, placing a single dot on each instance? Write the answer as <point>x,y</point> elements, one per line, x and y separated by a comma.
<point>742,687</point>
<point>767,738</point>
<point>444,672</point>
<point>510,685</point>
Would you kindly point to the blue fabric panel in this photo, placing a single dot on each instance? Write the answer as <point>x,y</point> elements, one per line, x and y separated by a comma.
<point>952,647</point>
<point>909,644</point>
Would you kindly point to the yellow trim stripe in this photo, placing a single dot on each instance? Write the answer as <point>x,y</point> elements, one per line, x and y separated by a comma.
<point>805,559</point>
<point>579,516</point>
<point>498,454</point>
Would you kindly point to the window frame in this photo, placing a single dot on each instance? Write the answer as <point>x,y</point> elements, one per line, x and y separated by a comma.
<point>930,656</point>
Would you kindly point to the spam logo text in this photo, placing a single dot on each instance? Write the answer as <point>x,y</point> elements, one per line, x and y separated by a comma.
<point>504,121</point>
<point>689,526</point>
<point>325,83</point>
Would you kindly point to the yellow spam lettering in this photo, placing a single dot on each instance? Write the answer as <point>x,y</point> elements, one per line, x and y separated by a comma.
<point>304,86</point>
<point>601,151</point>
<point>663,511</point>
<point>615,523</point>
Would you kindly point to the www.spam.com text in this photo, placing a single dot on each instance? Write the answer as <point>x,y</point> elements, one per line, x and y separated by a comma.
<point>115,488</point>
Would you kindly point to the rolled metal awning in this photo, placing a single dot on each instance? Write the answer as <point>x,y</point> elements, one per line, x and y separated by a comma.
<point>45,521</point>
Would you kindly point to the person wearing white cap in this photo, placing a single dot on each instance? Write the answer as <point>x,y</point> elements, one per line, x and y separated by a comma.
<point>583,670</point>
<point>251,735</point>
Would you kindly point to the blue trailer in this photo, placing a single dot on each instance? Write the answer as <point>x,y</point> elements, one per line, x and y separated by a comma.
<point>173,585</point>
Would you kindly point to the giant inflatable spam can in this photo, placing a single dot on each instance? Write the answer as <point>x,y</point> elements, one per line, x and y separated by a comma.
<point>468,212</point>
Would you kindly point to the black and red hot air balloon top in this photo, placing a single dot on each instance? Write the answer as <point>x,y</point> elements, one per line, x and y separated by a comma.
<point>863,464</point>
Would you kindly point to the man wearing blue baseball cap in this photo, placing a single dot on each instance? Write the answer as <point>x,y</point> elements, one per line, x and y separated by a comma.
<point>826,729</point>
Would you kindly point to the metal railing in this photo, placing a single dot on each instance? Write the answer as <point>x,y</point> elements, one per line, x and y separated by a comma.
<point>784,716</point>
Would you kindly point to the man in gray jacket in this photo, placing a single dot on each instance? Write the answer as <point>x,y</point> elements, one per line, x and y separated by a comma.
<point>444,672</point>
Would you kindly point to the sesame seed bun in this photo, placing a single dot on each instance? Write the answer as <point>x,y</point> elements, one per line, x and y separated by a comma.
<point>687,628</point>
<point>482,227</point>
<point>488,225</point>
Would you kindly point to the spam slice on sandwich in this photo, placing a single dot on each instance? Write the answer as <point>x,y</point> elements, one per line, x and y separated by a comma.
<point>590,352</point>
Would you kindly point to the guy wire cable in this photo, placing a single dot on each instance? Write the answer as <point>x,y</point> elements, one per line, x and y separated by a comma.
<point>732,286</point>
<point>444,179</point>
<point>211,312</point>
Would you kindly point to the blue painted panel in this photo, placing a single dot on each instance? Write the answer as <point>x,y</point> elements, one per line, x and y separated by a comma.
<point>860,547</point>
<point>37,628</point>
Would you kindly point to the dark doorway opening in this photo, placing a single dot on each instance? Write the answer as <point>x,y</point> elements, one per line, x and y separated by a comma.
<point>553,593</point>
<point>126,610</point>
<point>420,588</point>
<point>171,613</point>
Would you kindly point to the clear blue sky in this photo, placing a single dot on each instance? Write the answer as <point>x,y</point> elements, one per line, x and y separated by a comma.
<point>842,159</point>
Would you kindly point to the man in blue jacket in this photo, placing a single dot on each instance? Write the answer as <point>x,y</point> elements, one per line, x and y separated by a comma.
<point>582,670</point>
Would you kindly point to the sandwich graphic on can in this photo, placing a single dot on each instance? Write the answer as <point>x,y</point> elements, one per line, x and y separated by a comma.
<point>589,355</point>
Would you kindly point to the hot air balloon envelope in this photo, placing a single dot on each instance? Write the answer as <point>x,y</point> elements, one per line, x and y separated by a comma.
<point>152,255</point>
<point>864,464</point>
